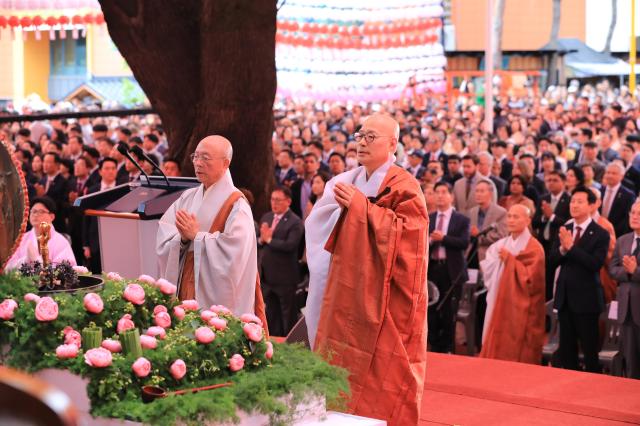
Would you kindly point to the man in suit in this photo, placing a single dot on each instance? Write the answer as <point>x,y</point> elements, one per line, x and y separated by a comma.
<point>464,189</point>
<point>449,238</point>
<point>301,188</point>
<point>590,156</point>
<point>93,157</point>
<point>280,235</point>
<point>434,149</point>
<point>551,214</point>
<point>453,170</point>
<point>77,188</point>
<point>55,186</point>
<point>108,168</point>
<point>579,252</point>
<point>284,173</point>
<point>624,269</point>
<point>415,164</point>
<point>632,175</point>
<point>616,199</point>
<point>485,164</point>
<point>499,149</point>
<point>488,219</point>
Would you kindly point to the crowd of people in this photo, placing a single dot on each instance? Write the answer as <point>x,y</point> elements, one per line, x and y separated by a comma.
<point>561,163</point>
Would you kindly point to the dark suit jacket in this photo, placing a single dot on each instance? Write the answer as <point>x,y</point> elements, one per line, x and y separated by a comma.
<point>122,176</point>
<point>507,169</point>
<point>442,158</point>
<point>628,293</point>
<point>620,208</point>
<point>561,215</point>
<point>632,180</point>
<point>421,171</point>
<point>455,243</point>
<point>578,287</point>
<point>296,193</point>
<point>289,178</point>
<point>94,179</point>
<point>59,192</point>
<point>90,236</point>
<point>500,184</point>
<point>279,267</point>
<point>451,179</point>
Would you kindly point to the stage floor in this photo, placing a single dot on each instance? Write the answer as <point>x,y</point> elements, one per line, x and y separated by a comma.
<point>462,390</point>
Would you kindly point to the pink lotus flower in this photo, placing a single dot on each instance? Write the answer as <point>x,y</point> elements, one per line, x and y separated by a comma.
<point>220,309</point>
<point>219,323</point>
<point>72,337</point>
<point>251,318</point>
<point>80,270</point>
<point>114,276</point>
<point>178,369</point>
<point>46,309</point>
<point>236,363</point>
<point>112,345</point>
<point>148,342</point>
<point>125,323</point>
<point>98,357</point>
<point>190,305</point>
<point>179,313</point>
<point>147,279</point>
<point>159,308</point>
<point>156,331</point>
<point>6,309</point>
<point>66,351</point>
<point>269,353</point>
<point>253,332</point>
<point>166,287</point>
<point>93,303</point>
<point>30,297</point>
<point>142,367</point>
<point>162,319</point>
<point>134,293</point>
<point>205,335</point>
<point>207,315</point>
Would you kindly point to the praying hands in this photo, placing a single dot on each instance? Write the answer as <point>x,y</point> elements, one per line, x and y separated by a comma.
<point>187,225</point>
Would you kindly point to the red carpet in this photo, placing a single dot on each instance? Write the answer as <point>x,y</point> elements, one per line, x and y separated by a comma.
<point>463,390</point>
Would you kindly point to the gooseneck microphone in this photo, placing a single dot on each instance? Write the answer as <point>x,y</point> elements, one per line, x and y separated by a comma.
<point>141,154</point>
<point>123,149</point>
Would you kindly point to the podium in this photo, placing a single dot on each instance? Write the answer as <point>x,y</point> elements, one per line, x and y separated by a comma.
<point>128,218</point>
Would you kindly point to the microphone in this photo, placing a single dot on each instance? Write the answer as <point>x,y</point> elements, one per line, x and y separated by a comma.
<point>487,230</point>
<point>141,154</point>
<point>123,149</point>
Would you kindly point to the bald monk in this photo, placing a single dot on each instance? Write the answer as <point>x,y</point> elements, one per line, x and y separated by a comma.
<point>206,240</point>
<point>367,306</point>
<point>514,275</point>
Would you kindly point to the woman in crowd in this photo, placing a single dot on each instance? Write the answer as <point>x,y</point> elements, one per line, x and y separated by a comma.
<point>575,178</point>
<point>318,183</point>
<point>517,185</point>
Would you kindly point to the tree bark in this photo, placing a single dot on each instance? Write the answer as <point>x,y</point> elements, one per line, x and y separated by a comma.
<point>497,34</point>
<point>553,39</point>
<point>207,67</point>
<point>612,25</point>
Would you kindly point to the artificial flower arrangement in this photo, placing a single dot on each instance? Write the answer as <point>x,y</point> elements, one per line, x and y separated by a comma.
<point>136,333</point>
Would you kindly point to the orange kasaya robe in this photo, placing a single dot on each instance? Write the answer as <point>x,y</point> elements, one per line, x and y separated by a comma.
<point>187,278</point>
<point>373,319</point>
<point>609,285</point>
<point>516,332</point>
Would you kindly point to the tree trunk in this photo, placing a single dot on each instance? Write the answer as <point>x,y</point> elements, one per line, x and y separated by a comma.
<point>497,34</point>
<point>612,25</point>
<point>555,30</point>
<point>207,67</point>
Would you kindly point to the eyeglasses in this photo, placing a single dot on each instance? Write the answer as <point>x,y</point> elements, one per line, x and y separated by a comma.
<point>37,212</point>
<point>203,157</point>
<point>368,137</point>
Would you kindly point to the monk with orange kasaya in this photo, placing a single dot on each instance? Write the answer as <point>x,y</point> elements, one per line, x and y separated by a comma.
<point>514,275</point>
<point>367,306</point>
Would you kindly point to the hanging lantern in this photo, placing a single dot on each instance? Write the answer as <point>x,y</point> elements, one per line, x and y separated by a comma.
<point>88,19</point>
<point>51,22</point>
<point>75,20</point>
<point>333,29</point>
<point>37,22</point>
<point>64,20</point>
<point>99,19</point>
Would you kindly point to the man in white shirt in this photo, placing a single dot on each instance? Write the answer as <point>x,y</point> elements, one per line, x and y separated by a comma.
<point>616,199</point>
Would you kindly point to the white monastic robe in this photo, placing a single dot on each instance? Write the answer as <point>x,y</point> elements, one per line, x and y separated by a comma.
<point>492,268</point>
<point>318,227</point>
<point>225,264</point>
<point>59,249</point>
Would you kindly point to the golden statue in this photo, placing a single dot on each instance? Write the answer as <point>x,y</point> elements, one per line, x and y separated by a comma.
<point>44,231</point>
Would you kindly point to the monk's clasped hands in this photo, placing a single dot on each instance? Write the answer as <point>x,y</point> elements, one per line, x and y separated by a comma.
<point>187,225</point>
<point>344,193</point>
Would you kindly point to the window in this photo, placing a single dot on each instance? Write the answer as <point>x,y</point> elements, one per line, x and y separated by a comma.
<point>69,56</point>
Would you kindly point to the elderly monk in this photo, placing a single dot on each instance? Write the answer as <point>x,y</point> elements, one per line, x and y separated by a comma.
<point>206,240</point>
<point>367,306</point>
<point>514,275</point>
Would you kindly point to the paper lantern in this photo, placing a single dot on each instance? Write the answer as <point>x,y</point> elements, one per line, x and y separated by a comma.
<point>99,19</point>
<point>25,21</point>
<point>76,20</point>
<point>64,20</point>
<point>14,21</point>
<point>37,20</point>
<point>3,21</point>
<point>333,29</point>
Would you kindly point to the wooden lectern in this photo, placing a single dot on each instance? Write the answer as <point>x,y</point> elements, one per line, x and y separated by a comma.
<point>128,218</point>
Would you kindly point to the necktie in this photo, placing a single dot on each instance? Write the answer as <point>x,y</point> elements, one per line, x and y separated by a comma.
<point>49,182</point>
<point>606,208</point>
<point>276,219</point>
<point>637,249</point>
<point>468,188</point>
<point>440,227</point>
<point>79,190</point>
<point>547,229</point>
<point>577,238</point>
<point>481,215</point>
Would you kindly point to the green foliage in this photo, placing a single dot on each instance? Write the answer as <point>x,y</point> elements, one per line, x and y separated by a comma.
<point>115,391</point>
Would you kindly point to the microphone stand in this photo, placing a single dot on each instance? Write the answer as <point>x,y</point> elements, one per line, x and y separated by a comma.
<point>124,150</point>
<point>140,153</point>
